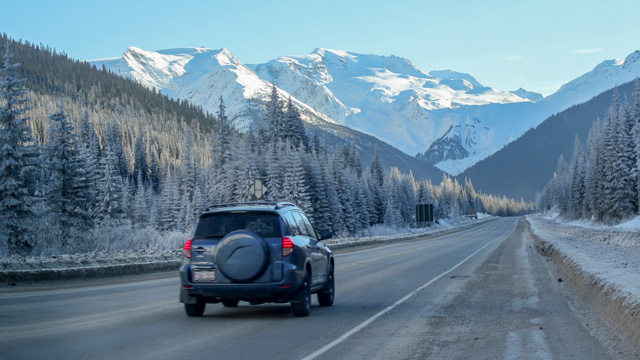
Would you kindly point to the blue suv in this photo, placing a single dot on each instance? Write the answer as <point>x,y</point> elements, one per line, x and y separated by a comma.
<point>257,252</point>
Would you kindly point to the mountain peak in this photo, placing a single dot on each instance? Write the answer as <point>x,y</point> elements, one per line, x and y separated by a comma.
<point>632,58</point>
<point>530,95</point>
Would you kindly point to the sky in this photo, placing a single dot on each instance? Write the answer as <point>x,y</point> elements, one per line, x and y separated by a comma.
<point>537,45</point>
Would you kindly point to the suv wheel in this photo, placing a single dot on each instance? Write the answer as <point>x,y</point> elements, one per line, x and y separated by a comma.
<point>328,293</point>
<point>242,256</point>
<point>303,308</point>
<point>196,309</point>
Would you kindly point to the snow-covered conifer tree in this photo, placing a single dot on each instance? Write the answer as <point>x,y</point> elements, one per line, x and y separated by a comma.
<point>577,168</point>
<point>274,117</point>
<point>592,178</point>
<point>293,126</point>
<point>70,193</point>
<point>18,162</point>
<point>377,187</point>
<point>110,209</point>
<point>140,162</point>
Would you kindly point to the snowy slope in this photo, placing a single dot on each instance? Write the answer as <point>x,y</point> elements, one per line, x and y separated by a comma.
<point>507,122</point>
<point>385,96</point>
<point>202,76</point>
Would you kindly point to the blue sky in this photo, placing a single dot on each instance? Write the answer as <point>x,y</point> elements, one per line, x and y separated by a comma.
<point>538,45</point>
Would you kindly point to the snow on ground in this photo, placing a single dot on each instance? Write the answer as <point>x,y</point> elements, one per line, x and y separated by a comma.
<point>603,261</point>
<point>612,253</point>
<point>92,259</point>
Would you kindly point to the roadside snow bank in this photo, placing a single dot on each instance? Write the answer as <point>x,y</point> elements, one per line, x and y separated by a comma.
<point>88,265</point>
<point>341,243</point>
<point>603,262</point>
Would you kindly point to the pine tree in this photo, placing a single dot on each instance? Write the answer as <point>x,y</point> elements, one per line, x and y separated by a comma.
<point>140,163</point>
<point>189,171</point>
<point>223,137</point>
<point>577,194</point>
<point>592,178</point>
<point>274,117</point>
<point>561,188</point>
<point>275,174</point>
<point>377,188</point>
<point>18,162</point>
<point>140,217</point>
<point>70,192</point>
<point>293,128</point>
<point>110,210</point>
<point>635,118</point>
<point>170,215</point>
<point>114,141</point>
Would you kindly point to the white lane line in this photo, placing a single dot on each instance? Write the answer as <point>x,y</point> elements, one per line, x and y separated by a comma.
<point>364,324</point>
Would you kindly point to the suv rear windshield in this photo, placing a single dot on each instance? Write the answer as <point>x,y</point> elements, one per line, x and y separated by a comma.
<point>266,225</point>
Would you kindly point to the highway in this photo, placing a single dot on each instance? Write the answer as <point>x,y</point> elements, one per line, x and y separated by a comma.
<point>478,293</point>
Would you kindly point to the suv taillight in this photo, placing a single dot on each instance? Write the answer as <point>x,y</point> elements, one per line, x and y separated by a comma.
<point>186,249</point>
<point>287,246</point>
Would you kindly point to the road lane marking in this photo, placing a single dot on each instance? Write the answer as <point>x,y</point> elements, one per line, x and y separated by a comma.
<point>364,324</point>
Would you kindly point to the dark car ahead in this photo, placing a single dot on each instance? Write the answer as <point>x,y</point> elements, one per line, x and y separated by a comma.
<point>257,252</point>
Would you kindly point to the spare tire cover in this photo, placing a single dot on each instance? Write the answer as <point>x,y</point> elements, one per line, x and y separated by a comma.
<point>242,256</point>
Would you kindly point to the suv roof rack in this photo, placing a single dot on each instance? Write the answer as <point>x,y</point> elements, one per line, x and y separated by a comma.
<point>278,205</point>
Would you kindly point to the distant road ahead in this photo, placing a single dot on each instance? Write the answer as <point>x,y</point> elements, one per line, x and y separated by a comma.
<point>468,294</point>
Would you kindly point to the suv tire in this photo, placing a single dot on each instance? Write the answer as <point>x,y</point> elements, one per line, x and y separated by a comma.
<point>303,308</point>
<point>242,256</point>
<point>195,310</point>
<point>328,293</point>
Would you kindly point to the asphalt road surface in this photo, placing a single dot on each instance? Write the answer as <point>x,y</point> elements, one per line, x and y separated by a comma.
<point>480,293</point>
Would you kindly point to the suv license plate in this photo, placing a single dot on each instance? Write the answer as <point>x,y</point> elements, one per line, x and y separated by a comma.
<point>204,275</point>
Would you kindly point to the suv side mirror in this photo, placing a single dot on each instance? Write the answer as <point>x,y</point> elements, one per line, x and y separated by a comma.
<point>325,234</point>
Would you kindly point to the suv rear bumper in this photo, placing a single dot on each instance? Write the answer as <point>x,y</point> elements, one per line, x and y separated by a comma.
<point>212,292</point>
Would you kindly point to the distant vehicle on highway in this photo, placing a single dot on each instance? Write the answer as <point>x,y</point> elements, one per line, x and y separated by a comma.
<point>257,252</point>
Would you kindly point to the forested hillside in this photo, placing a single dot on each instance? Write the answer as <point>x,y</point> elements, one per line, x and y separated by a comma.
<point>522,168</point>
<point>94,162</point>
<point>600,181</point>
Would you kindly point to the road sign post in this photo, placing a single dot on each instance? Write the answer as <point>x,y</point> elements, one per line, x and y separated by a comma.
<point>424,214</point>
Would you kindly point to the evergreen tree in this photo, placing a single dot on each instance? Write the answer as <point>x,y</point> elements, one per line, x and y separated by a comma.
<point>18,162</point>
<point>377,188</point>
<point>140,162</point>
<point>274,117</point>
<point>578,190</point>
<point>275,174</point>
<point>223,137</point>
<point>593,178</point>
<point>635,119</point>
<point>114,141</point>
<point>70,193</point>
<point>170,214</point>
<point>293,128</point>
<point>110,210</point>
<point>140,207</point>
<point>561,187</point>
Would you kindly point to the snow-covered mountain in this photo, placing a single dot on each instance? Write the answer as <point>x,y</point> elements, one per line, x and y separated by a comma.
<point>447,117</point>
<point>385,96</point>
<point>533,96</point>
<point>202,76</point>
<point>504,123</point>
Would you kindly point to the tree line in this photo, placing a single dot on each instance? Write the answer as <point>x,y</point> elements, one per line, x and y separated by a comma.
<point>70,172</point>
<point>601,182</point>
